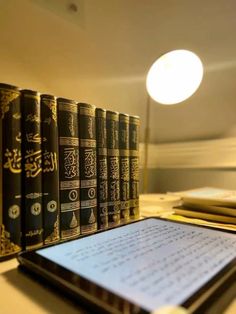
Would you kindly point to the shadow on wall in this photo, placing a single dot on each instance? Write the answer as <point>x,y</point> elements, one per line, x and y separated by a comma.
<point>165,180</point>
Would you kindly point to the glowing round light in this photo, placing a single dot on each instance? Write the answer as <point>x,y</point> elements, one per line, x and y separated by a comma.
<point>174,77</point>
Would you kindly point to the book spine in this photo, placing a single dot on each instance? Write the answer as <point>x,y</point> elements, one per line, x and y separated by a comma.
<point>88,168</point>
<point>50,165</point>
<point>112,121</point>
<point>134,125</point>
<point>10,171</point>
<point>69,168</point>
<point>32,170</point>
<point>101,133</point>
<point>124,167</point>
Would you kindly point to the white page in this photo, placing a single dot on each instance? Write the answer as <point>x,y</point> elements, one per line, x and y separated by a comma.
<point>152,263</point>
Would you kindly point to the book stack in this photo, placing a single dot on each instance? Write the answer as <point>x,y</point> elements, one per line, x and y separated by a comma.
<point>208,203</point>
<point>66,169</point>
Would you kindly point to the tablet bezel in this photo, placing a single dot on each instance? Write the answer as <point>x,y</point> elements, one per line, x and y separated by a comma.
<point>99,298</point>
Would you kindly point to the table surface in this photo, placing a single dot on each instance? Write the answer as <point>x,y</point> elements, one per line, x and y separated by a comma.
<point>23,294</point>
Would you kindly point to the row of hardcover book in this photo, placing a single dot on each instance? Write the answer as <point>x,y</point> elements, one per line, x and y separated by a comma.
<point>67,169</point>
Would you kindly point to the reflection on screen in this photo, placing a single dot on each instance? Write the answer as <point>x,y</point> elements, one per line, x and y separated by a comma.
<point>151,263</point>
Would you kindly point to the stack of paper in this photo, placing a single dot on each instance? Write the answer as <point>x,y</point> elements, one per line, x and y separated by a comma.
<point>208,203</point>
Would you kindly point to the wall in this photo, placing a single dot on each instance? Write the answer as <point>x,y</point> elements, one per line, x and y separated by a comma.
<point>187,165</point>
<point>164,180</point>
<point>101,54</point>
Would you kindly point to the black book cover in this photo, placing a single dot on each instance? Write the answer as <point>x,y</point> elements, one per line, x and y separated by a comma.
<point>32,170</point>
<point>134,125</point>
<point>113,165</point>
<point>124,167</point>
<point>69,168</point>
<point>10,171</point>
<point>88,168</point>
<point>101,133</point>
<point>50,165</point>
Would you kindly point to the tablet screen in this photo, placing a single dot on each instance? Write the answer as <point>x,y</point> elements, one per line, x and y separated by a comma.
<point>151,263</point>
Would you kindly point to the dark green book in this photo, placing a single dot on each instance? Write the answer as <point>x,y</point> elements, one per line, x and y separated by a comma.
<point>134,126</point>
<point>113,164</point>
<point>32,170</point>
<point>50,165</point>
<point>124,167</point>
<point>69,168</point>
<point>101,132</point>
<point>88,168</point>
<point>10,171</point>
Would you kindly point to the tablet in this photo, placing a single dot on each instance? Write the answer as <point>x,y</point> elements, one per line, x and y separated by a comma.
<point>140,267</point>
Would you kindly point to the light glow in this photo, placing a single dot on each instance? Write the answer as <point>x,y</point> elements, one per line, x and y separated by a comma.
<point>174,77</point>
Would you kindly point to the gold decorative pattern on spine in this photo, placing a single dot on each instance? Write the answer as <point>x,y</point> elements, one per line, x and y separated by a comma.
<point>112,115</point>
<point>134,202</point>
<point>87,143</point>
<point>6,97</point>
<point>7,247</point>
<point>134,153</point>
<point>124,118</point>
<point>88,183</point>
<point>113,152</point>
<point>88,228</point>
<point>67,107</point>
<point>71,141</point>
<point>67,185</point>
<point>87,111</point>
<point>135,120</point>
<point>124,152</point>
<point>101,113</point>
<point>92,218</point>
<point>74,222</point>
<point>17,115</point>
<point>37,97</point>
<point>51,104</point>
<point>70,233</point>
<point>54,236</point>
<point>102,151</point>
<point>88,203</point>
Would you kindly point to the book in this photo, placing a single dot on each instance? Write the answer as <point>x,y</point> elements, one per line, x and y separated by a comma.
<point>113,166</point>
<point>101,135</point>
<point>32,170</point>
<point>50,168</point>
<point>88,168</point>
<point>212,209</point>
<point>124,167</point>
<point>68,133</point>
<point>209,196</point>
<point>134,126</point>
<point>10,171</point>
<point>201,222</point>
<point>187,212</point>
